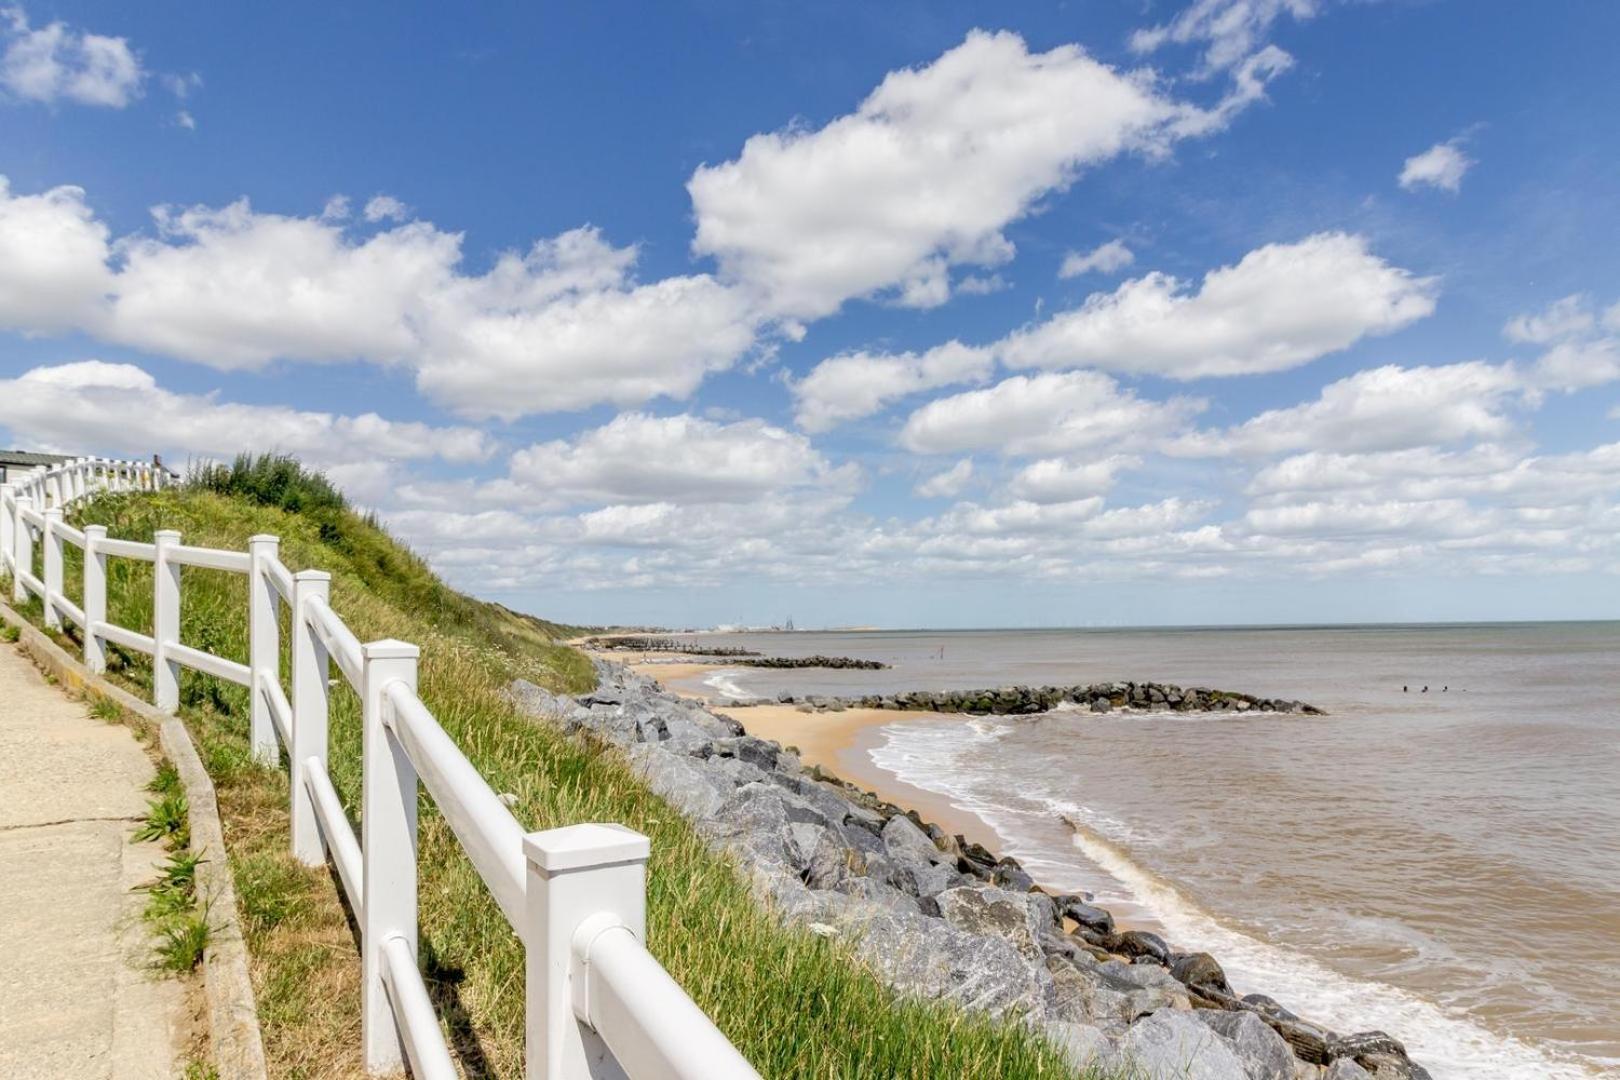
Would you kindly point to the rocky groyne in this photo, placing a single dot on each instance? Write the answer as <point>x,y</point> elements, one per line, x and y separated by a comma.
<point>940,917</point>
<point>817,661</point>
<point>1028,700</point>
<point>663,644</point>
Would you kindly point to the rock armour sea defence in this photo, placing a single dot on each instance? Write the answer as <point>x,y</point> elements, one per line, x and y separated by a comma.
<point>1026,700</point>
<point>817,661</point>
<point>663,644</point>
<point>940,917</point>
<point>731,654</point>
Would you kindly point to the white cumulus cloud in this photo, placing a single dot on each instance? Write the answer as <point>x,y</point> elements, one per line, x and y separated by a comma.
<point>924,175</point>
<point>386,208</point>
<point>949,483</point>
<point>640,459</point>
<point>1442,166</point>
<point>1062,479</point>
<point>1280,306</point>
<point>1103,259</point>
<point>1582,344</point>
<point>561,326</point>
<point>120,408</point>
<point>1230,31</point>
<point>858,384</point>
<point>53,260</point>
<point>58,63</point>
<point>1382,408</point>
<point>1053,413</point>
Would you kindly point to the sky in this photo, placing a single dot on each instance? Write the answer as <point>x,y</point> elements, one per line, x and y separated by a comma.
<point>910,314</point>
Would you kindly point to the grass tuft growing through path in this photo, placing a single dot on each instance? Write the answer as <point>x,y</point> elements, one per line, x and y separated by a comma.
<point>795,1004</point>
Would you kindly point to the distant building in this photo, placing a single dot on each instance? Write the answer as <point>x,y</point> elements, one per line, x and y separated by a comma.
<point>16,464</point>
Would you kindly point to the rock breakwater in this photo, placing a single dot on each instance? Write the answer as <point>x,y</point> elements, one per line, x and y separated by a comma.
<point>1025,700</point>
<point>940,917</point>
<point>817,661</point>
<point>662,644</point>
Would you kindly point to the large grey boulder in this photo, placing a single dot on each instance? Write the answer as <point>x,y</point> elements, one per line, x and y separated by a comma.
<point>909,845</point>
<point>1346,1069</point>
<point>1085,990</point>
<point>985,909</point>
<point>683,782</point>
<point>538,701</point>
<point>1082,1045</point>
<point>878,892</point>
<point>925,958</point>
<point>821,857</point>
<point>684,735</point>
<point>1264,1053</point>
<point>1080,995</point>
<point>1172,1045</point>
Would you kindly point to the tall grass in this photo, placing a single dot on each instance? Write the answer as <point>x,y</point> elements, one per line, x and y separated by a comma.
<point>795,1004</point>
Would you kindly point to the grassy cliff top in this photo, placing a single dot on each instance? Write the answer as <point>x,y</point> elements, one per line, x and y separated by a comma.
<point>795,1004</point>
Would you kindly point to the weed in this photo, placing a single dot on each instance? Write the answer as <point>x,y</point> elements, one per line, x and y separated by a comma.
<point>182,940</point>
<point>106,709</point>
<point>175,890</point>
<point>167,820</point>
<point>167,780</point>
<point>10,634</point>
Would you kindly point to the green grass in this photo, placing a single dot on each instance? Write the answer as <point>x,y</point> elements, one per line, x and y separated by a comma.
<point>105,708</point>
<point>182,940</point>
<point>10,634</point>
<point>174,892</point>
<point>166,821</point>
<point>795,1004</point>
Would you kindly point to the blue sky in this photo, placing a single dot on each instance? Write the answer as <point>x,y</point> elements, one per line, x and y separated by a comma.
<point>905,314</point>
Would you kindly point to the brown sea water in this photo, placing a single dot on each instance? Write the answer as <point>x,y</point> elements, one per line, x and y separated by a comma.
<point>1442,865</point>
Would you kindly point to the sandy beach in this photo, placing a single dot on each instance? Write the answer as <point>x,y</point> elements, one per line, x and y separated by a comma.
<point>837,741</point>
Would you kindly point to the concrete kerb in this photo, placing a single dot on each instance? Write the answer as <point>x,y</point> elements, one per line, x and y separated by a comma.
<point>235,1044</point>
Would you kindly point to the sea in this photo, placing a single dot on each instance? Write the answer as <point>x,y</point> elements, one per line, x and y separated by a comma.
<point>1438,856</point>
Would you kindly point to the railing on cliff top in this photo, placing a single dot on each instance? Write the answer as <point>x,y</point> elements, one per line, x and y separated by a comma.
<point>597,1004</point>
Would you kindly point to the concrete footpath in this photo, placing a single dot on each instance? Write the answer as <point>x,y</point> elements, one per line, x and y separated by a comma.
<point>78,997</point>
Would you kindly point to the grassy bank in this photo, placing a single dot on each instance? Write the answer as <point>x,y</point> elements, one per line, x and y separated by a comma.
<point>795,1004</point>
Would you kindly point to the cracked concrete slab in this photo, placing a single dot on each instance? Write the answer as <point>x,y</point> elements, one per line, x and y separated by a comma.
<point>77,995</point>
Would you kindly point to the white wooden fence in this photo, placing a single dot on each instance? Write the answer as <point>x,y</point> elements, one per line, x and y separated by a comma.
<point>597,1004</point>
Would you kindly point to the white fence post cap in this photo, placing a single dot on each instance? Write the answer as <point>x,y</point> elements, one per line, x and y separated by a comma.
<point>389,649</point>
<point>166,534</point>
<point>261,538</point>
<point>312,575</point>
<point>576,846</point>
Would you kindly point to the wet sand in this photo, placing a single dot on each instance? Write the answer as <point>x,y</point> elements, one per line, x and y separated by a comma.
<point>841,743</point>
<point>837,741</point>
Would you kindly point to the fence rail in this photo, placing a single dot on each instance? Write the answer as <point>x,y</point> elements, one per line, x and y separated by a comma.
<point>596,1002</point>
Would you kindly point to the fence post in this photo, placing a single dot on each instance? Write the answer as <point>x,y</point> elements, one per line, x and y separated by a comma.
<point>387,846</point>
<point>311,667</point>
<point>95,597</point>
<point>574,874</point>
<point>264,646</point>
<point>52,539</point>
<point>53,565</point>
<point>8,521</point>
<point>165,622</point>
<point>23,553</point>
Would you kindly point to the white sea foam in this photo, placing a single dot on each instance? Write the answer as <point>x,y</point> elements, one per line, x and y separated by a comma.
<point>940,758</point>
<point>725,681</point>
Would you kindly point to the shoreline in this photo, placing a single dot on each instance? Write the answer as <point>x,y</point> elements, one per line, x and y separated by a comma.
<point>827,837</point>
<point>841,743</point>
